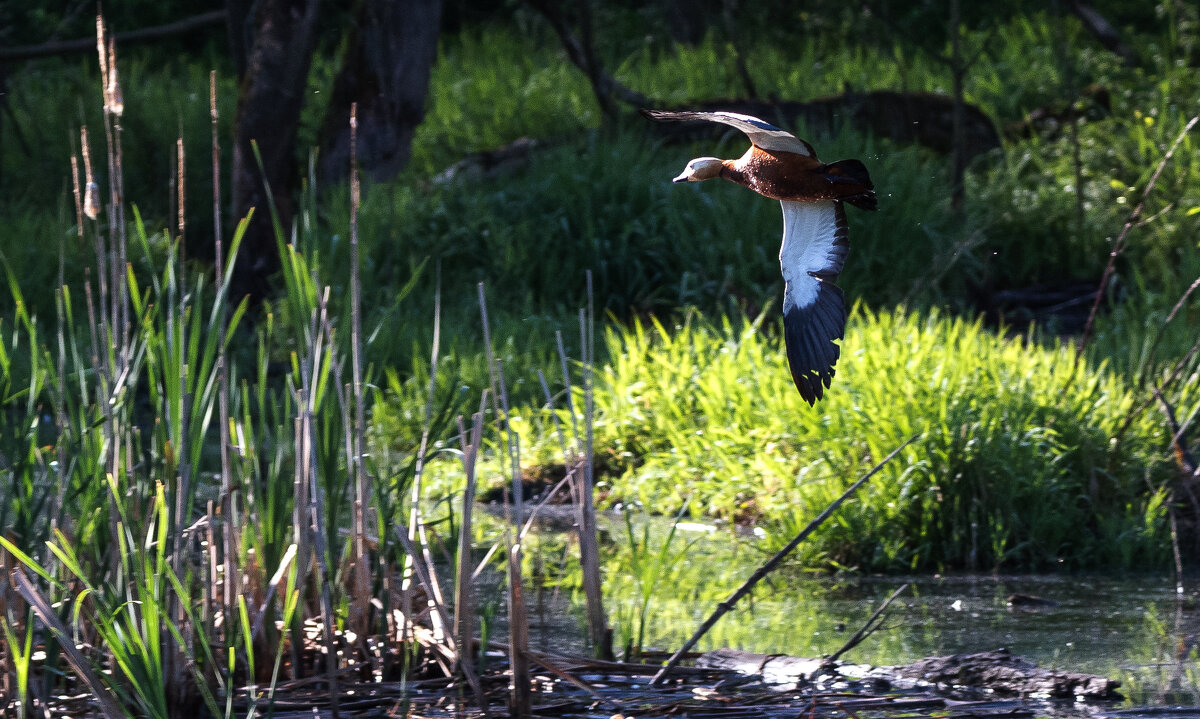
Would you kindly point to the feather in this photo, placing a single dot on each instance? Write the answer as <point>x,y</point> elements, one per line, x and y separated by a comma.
<point>815,245</point>
<point>762,134</point>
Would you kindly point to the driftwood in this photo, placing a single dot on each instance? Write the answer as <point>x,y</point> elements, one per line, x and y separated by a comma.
<point>998,673</point>
<point>925,118</point>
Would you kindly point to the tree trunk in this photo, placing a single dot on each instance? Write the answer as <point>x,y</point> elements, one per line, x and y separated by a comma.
<point>391,51</point>
<point>271,96</point>
<point>958,71</point>
<point>237,16</point>
<point>687,20</point>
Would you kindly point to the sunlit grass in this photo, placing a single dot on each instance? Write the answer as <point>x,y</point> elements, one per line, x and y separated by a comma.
<point>1016,466</point>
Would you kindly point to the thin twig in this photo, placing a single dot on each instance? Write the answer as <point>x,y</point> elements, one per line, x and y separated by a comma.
<point>1119,244</point>
<point>865,631</point>
<point>772,563</point>
<point>1162,330</point>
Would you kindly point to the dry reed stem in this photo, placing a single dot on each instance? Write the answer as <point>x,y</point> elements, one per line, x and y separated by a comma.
<point>299,535</point>
<point>464,604</point>
<point>177,661</point>
<point>360,617</point>
<point>589,546</point>
<point>518,631</point>
<point>773,563</point>
<point>230,531</point>
<point>414,518</point>
<point>518,618</point>
<point>211,597</point>
<point>316,497</point>
<point>45,611</point>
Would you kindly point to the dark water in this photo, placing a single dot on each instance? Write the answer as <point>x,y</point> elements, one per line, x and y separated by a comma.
<point>1134,629</point>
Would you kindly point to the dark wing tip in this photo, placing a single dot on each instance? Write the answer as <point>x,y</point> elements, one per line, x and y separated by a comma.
<point>760,124</point>
<point>809,333</point>
<point>665,115</point>
<point>865,201</point>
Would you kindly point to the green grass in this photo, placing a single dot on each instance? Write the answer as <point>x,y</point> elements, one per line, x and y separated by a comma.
<point>1025,462</point>
<point>598,198</point>
<point>1016,468</point>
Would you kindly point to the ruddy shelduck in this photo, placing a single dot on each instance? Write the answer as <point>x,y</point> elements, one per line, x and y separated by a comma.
<point>783,167</point>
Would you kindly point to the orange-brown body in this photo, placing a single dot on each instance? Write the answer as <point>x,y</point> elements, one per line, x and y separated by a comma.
<point>792,176</point>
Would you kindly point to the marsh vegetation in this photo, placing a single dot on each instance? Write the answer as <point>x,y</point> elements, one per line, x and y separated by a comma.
<point>203,495</point>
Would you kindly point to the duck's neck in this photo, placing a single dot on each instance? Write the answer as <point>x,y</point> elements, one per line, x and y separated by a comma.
<point>734,171</point>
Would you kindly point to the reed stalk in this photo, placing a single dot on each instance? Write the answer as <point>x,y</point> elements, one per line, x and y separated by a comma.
<point>464,589</point>
<point>358,471</point>
<point>589,548</point>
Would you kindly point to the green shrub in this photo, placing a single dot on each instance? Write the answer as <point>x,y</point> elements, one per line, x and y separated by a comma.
<point>1016,467</point>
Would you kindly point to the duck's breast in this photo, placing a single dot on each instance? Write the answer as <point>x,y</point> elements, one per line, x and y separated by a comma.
<point>780,175</point>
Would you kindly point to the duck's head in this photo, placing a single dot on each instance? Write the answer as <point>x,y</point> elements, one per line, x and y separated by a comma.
<point>702,168</point>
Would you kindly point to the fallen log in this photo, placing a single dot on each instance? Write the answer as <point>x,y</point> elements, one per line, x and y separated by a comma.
<point>997,672</point>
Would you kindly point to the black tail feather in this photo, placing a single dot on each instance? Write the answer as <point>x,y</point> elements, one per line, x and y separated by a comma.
<point>853,175</point>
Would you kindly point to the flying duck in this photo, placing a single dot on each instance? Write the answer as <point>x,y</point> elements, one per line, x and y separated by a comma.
<point>783,167</point>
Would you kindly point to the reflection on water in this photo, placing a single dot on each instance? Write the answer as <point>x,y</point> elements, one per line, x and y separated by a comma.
<point>1132,629</point>
<point>1128,629</point>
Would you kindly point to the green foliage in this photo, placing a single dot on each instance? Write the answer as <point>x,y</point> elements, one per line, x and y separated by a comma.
<point>1015,468</point>
<point>108,430</point>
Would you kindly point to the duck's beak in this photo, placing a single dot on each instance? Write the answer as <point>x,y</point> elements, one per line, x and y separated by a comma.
<point>683,177</point>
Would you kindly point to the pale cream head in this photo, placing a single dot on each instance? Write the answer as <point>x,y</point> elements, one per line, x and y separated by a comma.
<point>702,168</point>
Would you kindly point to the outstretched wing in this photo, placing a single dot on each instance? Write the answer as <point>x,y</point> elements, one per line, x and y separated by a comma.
<point>762,134</point>
<point>815,244</point>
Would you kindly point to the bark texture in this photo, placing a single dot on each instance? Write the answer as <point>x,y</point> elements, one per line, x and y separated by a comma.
<point>388,61</point>
<point>270,98</point>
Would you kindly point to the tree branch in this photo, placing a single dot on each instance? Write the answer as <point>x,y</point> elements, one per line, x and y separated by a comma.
<point>88,45</point>
<point>582,54</point>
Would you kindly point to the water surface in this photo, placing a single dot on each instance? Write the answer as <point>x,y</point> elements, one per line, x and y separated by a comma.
<point>1131,628</point>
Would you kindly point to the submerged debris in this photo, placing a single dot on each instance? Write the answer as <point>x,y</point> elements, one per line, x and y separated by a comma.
<point>998,673</point>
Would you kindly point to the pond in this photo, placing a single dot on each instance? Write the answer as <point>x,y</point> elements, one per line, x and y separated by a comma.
<point>1131,628</point>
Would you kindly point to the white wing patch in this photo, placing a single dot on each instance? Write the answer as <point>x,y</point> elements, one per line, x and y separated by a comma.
<point>814,249</point>
<point>815,242</point>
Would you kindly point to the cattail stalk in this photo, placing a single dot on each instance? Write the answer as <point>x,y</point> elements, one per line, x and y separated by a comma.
<point>362,488</point>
